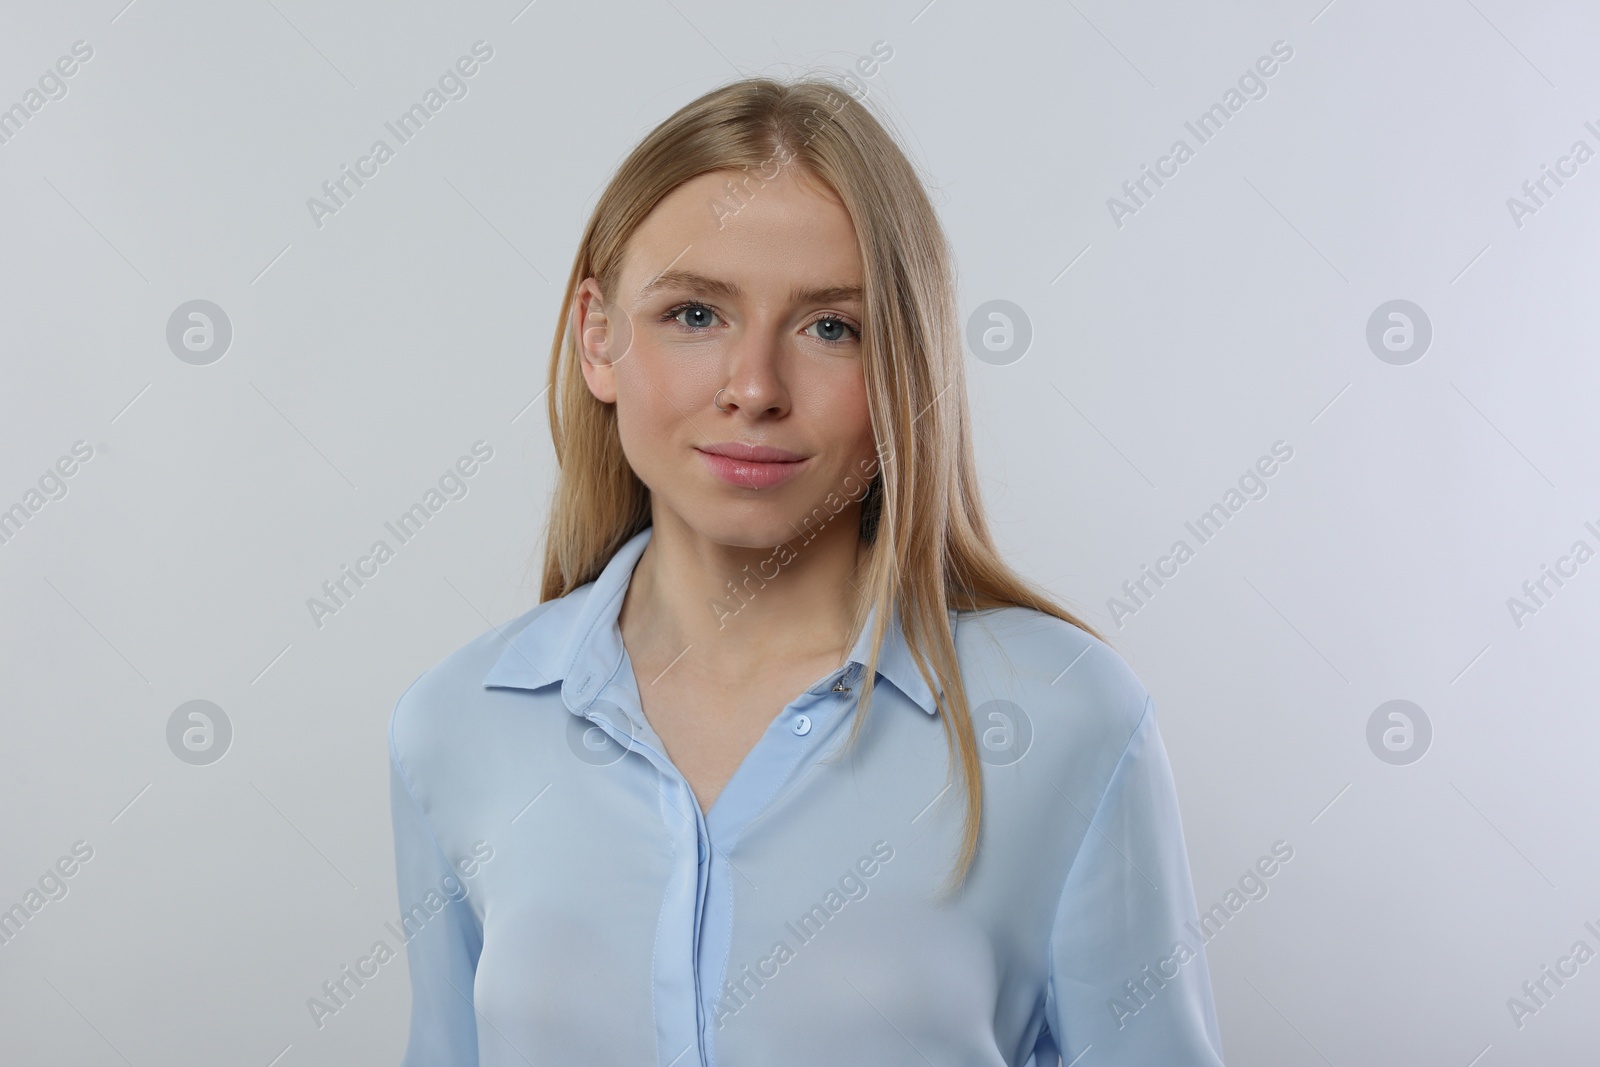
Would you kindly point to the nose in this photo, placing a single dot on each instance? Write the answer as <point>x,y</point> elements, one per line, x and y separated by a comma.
<point>755,380</point>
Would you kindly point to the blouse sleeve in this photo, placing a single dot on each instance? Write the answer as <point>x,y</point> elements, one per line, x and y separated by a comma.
<point>444,944</point>
<point>1128,975</point>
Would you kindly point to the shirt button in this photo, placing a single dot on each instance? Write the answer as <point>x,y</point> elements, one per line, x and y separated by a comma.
<point>702,850</point>
<point>801,725</point>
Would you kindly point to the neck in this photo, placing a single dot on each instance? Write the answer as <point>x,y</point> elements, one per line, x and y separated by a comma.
<point>733,611</point>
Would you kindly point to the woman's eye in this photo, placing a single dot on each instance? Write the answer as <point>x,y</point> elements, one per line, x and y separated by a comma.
<point>834,330</point>
<point>695,316</point>
<point>700,316</point>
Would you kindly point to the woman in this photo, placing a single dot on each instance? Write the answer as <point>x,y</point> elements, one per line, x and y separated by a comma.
<point>672,815</point>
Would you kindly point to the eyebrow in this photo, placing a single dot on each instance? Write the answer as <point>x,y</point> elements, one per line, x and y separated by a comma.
<point>688,279</point>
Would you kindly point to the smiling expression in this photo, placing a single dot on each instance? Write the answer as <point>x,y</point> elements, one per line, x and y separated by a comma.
<point>763,304</point>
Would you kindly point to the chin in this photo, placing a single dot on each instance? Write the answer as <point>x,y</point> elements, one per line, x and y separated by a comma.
<point>743,531</point>
<point>757,525</point>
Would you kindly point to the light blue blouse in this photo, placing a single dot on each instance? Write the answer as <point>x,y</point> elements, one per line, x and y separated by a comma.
<point>565,901</point>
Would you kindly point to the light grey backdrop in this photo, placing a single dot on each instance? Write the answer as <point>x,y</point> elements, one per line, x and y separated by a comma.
<point>1241,303</point>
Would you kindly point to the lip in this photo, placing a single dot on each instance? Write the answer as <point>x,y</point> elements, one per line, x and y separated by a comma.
<point>734,464</point>
<point>757,453</point>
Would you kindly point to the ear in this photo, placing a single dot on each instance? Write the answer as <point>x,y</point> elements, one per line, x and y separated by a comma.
<point>603,339</point>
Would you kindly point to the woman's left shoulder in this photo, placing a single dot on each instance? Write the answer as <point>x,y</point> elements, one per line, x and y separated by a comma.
<point>1058,674</point>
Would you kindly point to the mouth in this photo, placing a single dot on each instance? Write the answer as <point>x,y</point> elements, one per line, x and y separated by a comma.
<point>756,453</point>
<point>752,473</point>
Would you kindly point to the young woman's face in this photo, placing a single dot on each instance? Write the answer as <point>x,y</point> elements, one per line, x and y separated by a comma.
<point>762,301</point>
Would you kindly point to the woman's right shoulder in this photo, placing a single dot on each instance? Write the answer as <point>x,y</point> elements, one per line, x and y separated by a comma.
<point>439,710</point>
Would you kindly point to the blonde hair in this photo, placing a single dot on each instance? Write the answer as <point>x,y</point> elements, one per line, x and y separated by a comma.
<point>930,549</point>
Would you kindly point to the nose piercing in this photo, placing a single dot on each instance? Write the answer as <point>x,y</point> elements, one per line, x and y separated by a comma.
<point>718,402</point>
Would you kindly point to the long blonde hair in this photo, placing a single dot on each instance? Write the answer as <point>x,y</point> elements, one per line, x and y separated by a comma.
<point>930,549</point>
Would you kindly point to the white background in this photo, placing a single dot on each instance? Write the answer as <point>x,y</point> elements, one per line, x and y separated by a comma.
<point>1168,354</point>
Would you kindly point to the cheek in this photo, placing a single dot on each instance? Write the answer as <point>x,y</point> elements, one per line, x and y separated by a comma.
<point>656,396</point>
<point>850,415</point>
<point>639,418</point>
<point>645,391</point>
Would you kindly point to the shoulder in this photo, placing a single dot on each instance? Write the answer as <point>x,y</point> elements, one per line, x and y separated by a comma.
<point>1074,689</point>
<point>442,705</point>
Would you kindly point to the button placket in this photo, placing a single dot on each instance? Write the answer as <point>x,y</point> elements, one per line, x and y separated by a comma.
<point>628,727</point>
<point>702,887</point>
<point>692,821</point>
<point>812,713</point>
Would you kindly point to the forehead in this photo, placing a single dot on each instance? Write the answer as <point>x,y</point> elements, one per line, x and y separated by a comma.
<point>765,237</point>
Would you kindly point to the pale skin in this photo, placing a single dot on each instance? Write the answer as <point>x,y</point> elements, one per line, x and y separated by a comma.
<point>791,374</point>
